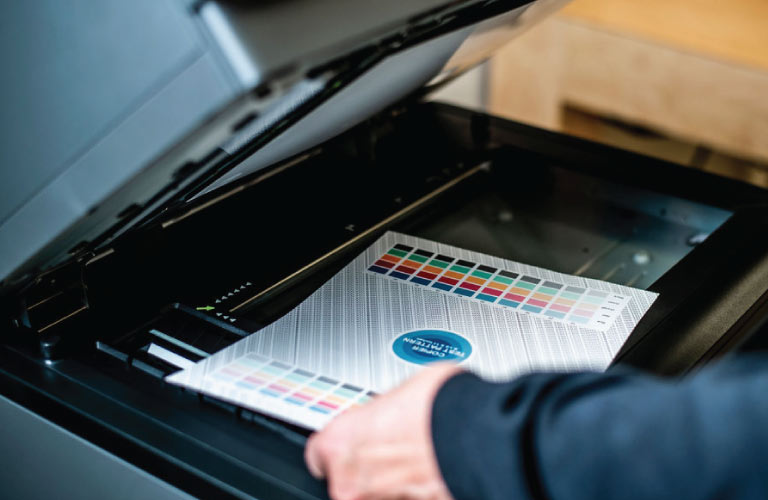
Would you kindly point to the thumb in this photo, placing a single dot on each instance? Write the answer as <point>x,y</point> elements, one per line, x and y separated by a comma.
<point>313,457</point>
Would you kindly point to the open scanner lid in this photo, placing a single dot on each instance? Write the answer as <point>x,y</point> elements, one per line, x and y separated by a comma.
<point>127,112</point>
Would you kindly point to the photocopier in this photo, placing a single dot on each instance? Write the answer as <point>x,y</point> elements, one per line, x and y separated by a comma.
<point>199,167</point>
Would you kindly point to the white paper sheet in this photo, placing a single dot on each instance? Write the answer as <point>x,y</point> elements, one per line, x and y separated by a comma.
<point>370,328</point>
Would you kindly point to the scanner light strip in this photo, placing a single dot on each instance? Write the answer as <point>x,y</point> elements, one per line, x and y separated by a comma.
<point>522,293</point>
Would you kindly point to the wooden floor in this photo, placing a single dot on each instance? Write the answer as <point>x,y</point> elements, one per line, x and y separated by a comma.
<point>734,31</point>
<point>692,70</point>
<point>632,138</point>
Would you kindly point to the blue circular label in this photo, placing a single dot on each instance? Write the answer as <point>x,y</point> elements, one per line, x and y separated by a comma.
<point>427,346</point>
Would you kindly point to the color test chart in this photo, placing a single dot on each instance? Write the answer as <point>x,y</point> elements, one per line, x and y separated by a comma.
<point>284,391</point>
<point>524,293</point>
<point>405,302</point>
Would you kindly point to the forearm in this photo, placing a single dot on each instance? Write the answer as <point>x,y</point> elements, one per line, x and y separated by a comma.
<point>605,435</point>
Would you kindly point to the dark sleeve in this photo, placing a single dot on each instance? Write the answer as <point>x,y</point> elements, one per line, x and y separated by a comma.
<point>611,435</point>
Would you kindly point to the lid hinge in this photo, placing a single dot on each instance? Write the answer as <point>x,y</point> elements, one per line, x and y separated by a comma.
<point>50,313</point>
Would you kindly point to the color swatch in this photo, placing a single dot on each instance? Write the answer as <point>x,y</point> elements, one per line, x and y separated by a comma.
<point>405,300</point>
<point>288,392</point>
<point>524,293</point>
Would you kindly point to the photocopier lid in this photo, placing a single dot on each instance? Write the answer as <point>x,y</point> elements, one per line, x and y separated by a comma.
<point>119,113</point>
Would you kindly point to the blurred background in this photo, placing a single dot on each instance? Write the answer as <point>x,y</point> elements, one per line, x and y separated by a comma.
<point>682,80</point>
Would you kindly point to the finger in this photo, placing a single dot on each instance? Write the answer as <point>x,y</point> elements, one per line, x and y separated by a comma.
<point>313,457</point>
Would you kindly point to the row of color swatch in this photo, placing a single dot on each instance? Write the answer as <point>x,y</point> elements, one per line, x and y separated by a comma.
<point>289,392</point>
<point>533,295</point>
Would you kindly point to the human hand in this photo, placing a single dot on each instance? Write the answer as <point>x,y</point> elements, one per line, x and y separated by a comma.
<point>384,449</point>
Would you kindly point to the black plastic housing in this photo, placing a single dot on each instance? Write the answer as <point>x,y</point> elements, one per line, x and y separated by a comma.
<point>414,168</point>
